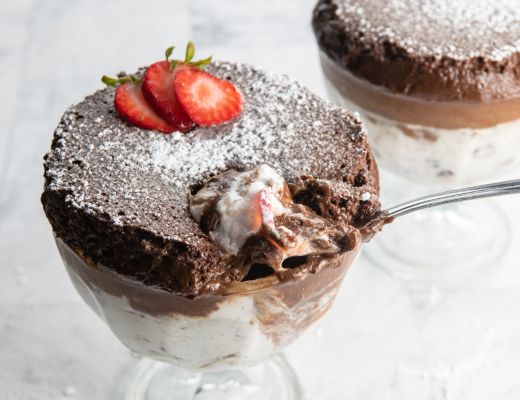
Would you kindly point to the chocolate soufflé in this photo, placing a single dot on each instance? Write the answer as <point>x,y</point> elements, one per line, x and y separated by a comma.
<point>120,194</point>
<point>435,50</point>
<point>437,81</point>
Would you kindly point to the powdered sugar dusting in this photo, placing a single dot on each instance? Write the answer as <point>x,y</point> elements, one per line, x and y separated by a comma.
<point>458,29</point>
<point>142,178</point>
<point>253,138</point>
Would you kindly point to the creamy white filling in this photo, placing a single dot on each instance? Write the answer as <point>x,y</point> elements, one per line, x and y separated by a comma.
<point>243,330</point>
<point>238,207</point>
<point>445,156</point>
<point>231,335</point>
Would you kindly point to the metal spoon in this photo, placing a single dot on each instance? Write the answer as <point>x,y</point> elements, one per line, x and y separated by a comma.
<point>384,217</point>
<point>452,196</point>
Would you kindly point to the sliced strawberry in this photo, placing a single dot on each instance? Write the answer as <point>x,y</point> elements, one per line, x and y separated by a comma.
<point>266,207</point>
<point>132,106</point>
<point>158,90</point>
<point>264,217</point>
<point>207,99</point>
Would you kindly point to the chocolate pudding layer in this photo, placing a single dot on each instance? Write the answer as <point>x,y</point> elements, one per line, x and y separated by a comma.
<point>433,50</point>
<point>119,195</point>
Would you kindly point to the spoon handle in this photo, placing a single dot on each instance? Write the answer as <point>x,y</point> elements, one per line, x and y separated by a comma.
<point>452,196</point>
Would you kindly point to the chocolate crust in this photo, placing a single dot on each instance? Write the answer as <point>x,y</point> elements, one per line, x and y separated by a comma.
<point>119,194</point>
<point>466,51</point>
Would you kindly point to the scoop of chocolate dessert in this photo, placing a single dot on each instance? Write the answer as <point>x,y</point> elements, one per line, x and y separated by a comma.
<point>285,182</point>
<point>255,220</point>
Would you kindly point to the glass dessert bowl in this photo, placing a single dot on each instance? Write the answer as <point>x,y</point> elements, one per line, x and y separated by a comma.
<point>441,102</point>
<point>291,260</point>
<point>208,250</point>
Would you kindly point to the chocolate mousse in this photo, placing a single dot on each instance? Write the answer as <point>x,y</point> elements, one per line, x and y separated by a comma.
<point>119,196</point>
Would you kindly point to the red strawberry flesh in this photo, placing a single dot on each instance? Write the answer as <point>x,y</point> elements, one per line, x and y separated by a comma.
<point>207,99</point>
<point>158,89</point>
<point>266,207</point>
<point>133,107</point>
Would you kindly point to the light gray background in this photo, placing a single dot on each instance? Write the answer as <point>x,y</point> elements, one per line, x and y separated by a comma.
<point>384,339</point>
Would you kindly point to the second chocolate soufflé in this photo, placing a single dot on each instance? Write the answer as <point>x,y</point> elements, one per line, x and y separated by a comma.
<point>436,50</point>
<point>446,64</point>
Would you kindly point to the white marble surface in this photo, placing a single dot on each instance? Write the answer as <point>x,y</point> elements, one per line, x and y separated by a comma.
<point>383,339</point>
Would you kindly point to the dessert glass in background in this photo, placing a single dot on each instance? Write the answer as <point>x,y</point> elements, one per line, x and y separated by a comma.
<point>437,86</point>
<point>220,346</point>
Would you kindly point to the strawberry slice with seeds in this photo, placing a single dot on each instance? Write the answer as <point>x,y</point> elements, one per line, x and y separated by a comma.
<point>207,99</point>
<point>158,90</point>
<point>132,106</point>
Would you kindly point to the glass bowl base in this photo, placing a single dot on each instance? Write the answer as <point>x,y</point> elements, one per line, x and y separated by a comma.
<point>274,379</point>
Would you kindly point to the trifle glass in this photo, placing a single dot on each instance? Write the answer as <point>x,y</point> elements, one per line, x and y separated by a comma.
<point>434,146</point>
<point>207,252</point>
<point>436,143</point>
<point>224,345</point>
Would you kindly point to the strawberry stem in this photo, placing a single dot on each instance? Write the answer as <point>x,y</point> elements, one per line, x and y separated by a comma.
<point>109,81</point>
<point>201,63</point>
<point>169,52</point>
<point>173,64</point>
<point>190,52</point>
